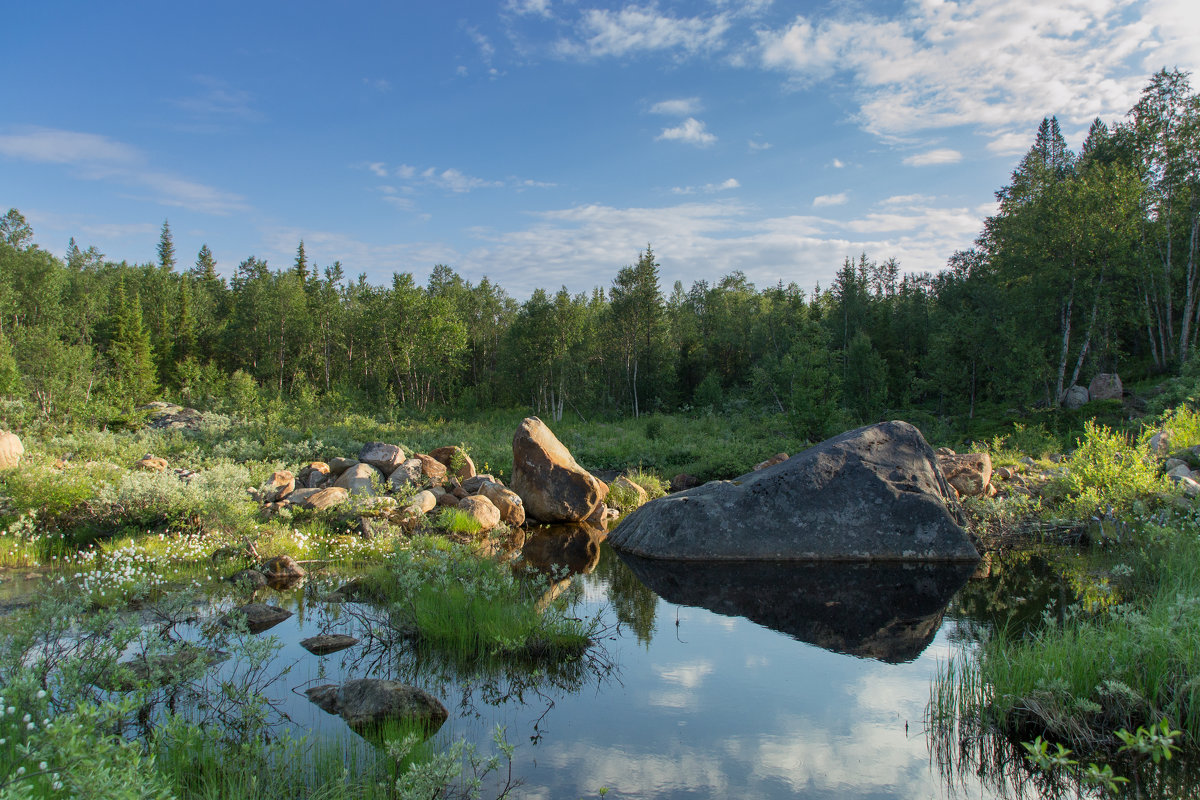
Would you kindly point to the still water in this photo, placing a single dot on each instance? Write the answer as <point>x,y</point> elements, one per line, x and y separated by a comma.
<point>765,682</point>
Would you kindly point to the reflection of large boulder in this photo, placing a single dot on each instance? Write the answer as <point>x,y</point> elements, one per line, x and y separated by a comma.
<point>552,487</point>
<point>874,493</point>
<point>888,612</point>
<point>573,547</point>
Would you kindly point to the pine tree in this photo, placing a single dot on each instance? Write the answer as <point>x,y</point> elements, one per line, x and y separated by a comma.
<point>166,248</point>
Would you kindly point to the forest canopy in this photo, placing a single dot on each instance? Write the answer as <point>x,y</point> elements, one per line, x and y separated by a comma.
<point>1089,265</point>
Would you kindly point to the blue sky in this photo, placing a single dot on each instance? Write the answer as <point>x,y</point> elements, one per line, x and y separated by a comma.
<point>546,142</point>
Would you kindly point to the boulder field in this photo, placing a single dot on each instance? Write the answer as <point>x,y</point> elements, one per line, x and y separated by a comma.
<point>870,494</point>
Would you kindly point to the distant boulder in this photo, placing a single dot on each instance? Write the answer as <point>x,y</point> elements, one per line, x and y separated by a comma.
<point>1106,386</point>
<point>874,493</point>
<point>1075,397</point>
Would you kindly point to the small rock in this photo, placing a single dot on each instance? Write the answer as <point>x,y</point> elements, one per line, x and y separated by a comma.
<point>325,498</point>
<point>482,509</point>
<point>778,458</point>
<point>473,484</point>
<point>1160,444</point>
<point>408,473</point>
<point>1190,487</point>
<point>384,457</point>
<point>360,480</point>
<point>639,496</point>
<point>433,469</point>
<point>326,643</point>
<point>512,510</point>
<point>282,567</point>
<point>449,456</point>
<point>447,500</point>
<point>258,616</point>
<point>339,465</point>
<point>250,579</point>
<point>424,501</point>
<point>682,482</point>
<point>152,463</point>
<point>369,701</point>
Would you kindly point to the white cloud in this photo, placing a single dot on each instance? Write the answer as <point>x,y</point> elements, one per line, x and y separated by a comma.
<point>217,98</point>
<point>378,84</point>
<point>98,158</point>
<point>907,200</point>
<point>929,158</point>
<point>456,181</point>
<point>1010,144</point>
<point>837,163</point>
<point>757,146</point>
<point>487,51</point>
<point>581,247</point>
<point>540,8</point>
<point>991,64</point>
<point>49,146</point>
<point>680,107</point>
<point>691,131</point>
<point>708,188</point>
<point>823,200</point>
<point>379,168</point>
<point>635,30</point>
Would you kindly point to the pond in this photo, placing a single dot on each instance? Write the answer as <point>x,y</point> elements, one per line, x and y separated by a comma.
<point>744,681</point>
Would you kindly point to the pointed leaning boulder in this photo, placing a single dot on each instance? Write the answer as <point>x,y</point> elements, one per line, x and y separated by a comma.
<point>552,487</point>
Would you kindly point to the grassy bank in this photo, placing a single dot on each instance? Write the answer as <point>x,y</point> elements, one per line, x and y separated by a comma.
<point>1126,654</point>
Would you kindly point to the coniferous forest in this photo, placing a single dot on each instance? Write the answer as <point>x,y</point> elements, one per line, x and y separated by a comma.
<point>1088,265</point>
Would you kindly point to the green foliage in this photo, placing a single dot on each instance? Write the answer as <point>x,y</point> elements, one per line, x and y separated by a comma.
<point>473,607</point>
<point>1106,474</point>
<point>457,521</point>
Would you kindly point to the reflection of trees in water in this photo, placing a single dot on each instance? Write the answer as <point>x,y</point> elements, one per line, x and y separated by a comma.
<point>1011,590</point>
<point>633,602</point>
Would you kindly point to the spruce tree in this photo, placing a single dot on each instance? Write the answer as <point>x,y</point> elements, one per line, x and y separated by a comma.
<point>166,248</point>
<point>132,354</point>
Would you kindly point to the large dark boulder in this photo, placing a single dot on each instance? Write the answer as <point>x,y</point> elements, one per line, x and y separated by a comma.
<point>874,493</point>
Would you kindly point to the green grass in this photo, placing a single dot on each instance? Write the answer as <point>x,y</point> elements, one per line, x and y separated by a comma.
<point>473,607</point>
<point>457,521</point>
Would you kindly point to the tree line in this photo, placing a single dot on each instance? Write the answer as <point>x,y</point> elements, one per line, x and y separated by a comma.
<point>1088,265</point>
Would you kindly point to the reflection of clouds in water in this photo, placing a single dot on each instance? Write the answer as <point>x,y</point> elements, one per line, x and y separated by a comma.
<point>871,754</point>
<point>875,752</point>
<point>641,774</point>
<point>756,662</point>
<point>682,680</point>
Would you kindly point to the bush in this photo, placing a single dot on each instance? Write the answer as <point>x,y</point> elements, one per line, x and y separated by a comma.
<point>1107,474</point>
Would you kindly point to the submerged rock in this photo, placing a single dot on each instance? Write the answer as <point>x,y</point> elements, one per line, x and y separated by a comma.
<point>258,616</point>
<point>365,702</point>
<point>552,486</point>
<point>874,493</point>
<point>889,612</point>
<point>326,643</point>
